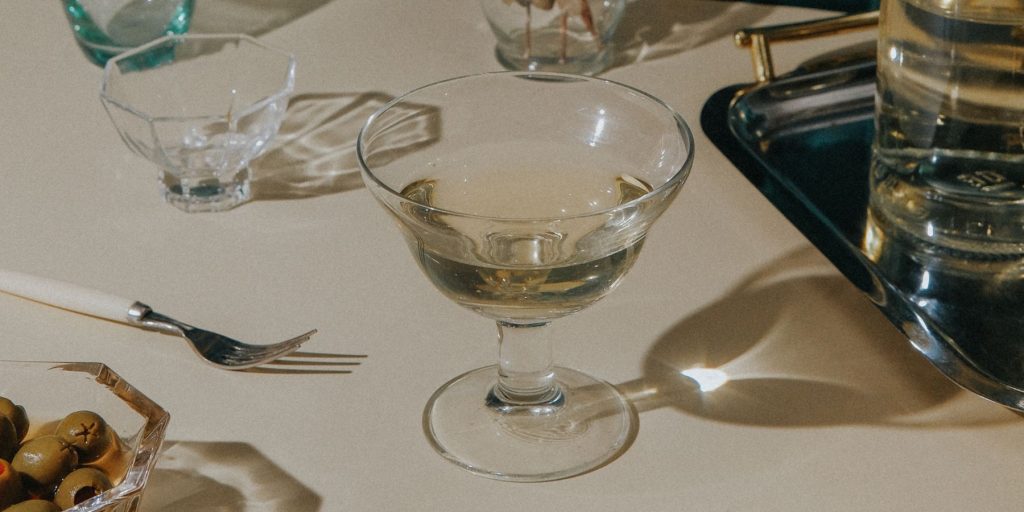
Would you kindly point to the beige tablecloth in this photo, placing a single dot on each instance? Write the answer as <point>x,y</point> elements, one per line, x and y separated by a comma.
<point>828,407</point>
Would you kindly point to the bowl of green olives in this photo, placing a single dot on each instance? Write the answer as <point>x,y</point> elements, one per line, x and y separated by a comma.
<point>76,437</point>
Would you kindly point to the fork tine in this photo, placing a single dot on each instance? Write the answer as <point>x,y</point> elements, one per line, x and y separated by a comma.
<point>281,350</point>
<point>266,354</point>
<point>274,347</point>
<point>241,356</point>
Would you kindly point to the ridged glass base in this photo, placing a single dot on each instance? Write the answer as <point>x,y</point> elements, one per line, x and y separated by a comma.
<point>208,195</point>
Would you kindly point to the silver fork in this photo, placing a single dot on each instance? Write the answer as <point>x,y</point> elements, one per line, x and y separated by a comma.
<point>215,349</point>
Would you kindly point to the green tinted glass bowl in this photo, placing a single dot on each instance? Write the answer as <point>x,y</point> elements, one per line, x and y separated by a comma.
<point>50,391</point>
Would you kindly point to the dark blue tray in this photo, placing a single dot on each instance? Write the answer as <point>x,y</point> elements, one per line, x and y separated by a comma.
<point>804,141</point>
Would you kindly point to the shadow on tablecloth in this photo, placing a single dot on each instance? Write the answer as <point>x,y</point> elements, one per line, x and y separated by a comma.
<point>779,351</point>
<point>223,477</point>
<point>314,153</point>
<point>253,17</point>
<point>652,29</point>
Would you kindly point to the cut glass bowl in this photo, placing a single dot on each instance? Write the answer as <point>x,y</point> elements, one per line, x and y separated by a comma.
<point>51,391</point>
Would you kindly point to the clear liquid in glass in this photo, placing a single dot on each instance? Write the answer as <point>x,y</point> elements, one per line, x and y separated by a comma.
<point>524,271</point>
<point>948,170</point>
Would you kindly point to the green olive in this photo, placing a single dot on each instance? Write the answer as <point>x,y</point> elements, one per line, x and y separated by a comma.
<point>80,485</point>
<point>44,461</point>
<point>33,506</point>
<point>8,438</point>
<point>11,490</point>
<point>88,433</point>
<point>16,414</point>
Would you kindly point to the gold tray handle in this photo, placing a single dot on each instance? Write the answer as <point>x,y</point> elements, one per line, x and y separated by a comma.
<point>759,39</point>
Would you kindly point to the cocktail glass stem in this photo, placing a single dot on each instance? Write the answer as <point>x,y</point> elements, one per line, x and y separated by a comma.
<point>526,375</point>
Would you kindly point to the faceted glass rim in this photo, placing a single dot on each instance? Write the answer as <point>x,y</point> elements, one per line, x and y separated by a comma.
<point>675,180</point>
<point>282,92</point>
<point>150,435</point>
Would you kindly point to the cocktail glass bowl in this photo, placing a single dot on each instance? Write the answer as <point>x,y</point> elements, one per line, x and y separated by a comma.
<point>530,201</point>
<point>200,107</point>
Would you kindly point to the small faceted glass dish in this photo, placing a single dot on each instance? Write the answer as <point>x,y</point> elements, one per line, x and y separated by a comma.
<point>200,108</point>
<point>101,434</point>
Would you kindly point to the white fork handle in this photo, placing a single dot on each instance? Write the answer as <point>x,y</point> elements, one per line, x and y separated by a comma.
<point>67,296</point>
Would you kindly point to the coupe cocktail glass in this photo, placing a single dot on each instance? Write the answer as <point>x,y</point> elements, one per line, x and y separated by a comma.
<point>200,107</point>
<point>531,202</point>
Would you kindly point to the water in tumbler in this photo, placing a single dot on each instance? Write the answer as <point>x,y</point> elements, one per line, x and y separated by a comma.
<point>948,171</point>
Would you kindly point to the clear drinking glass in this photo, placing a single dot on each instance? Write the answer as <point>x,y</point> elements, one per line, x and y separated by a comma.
<point>948,172</point>
<point>105,28</point>
<point>566,36</point>
<point>200,107</point>
<point>532,202</point>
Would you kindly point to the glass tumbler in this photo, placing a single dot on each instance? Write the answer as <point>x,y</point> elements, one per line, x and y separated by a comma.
<point>567,36</point>
<point>105,28</point>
